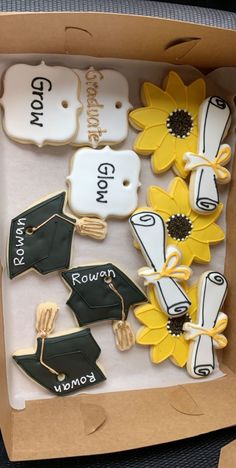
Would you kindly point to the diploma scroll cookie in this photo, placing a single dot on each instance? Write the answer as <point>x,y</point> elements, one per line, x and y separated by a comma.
<point>206,335</point>
<point>40,104</point>
<point>64,362</point>
<point>105,98</point>
<point>103,292</point>
<point>104,182</point>
<point>41,237</point>
<point>163,269</point>
<point>207,165</point>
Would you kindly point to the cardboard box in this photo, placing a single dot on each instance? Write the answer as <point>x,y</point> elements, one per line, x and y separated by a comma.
<point>92,424</point>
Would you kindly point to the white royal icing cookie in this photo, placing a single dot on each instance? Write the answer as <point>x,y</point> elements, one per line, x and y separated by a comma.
<point>149,231</point>
<point>207,165</point>
<point>105,98</point>
<point>206,334</point>
<point>40,104</point>
<point>104,182</point>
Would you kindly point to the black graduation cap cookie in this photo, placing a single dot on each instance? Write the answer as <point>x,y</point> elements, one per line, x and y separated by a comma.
<point>41,237</point>
<point>103,292</point>
<point>63,363</point>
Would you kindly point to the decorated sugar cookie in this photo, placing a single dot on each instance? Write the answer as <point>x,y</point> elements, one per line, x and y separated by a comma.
<point>190,232</point>
<point>168,122</point>
<point>64,362</point>
<point>206,334</point>
<point>165,335</point>
<point>40,104</point>
<point>163,269</point>
<point>104,292</point>
<point>104,182</point>
<point>41,237</point>
<point>207,165</point>
<point>105,98</point>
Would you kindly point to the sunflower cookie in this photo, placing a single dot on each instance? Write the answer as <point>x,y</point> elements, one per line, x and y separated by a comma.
<point>206,334</point>
<point>165,335</point>
<point>64,362</point>
<point>163,269</point>
<point>168,122</point>
<point>40,104</point>
<point>190,232</point>
<point>41,237</point>
<point>207,165</point>
<point>103,120</point>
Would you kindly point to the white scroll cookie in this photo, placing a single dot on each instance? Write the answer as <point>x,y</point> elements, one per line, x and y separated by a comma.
<point>207,165</point>
<point>105,98</point>
<point>149,231</point>
<point>40,104</point>
<point>206,334</point>
<point>104,182</point>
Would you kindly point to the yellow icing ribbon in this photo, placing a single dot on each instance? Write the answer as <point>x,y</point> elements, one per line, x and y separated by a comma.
<point>222,158</point>
<point>214,332</point>
<point>181,272</point>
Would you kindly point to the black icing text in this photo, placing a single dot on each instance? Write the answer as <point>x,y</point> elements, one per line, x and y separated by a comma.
<point>39,85</point>
<point>106,172</point>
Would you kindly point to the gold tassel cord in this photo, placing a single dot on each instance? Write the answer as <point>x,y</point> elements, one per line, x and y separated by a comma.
<point>45,321</point>
<point>92,227</point>
<point>123,333</point>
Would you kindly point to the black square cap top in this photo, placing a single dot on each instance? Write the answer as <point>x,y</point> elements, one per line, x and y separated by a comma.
<point>46,248</point>
<point>91,297</point>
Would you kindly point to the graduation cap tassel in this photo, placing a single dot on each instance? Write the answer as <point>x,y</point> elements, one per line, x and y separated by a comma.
<point>92,227</point>
<point>124,336</point>
<point>45,321</point>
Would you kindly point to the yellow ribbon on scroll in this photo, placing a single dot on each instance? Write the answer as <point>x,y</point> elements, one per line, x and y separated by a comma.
<point>193,161</point>
<point>169,269</point>
<point>214,332</point>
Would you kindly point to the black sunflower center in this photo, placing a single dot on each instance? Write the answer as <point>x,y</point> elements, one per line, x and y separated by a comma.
<point>179,226</point>
<point>179,123</point>
<point>175,325</point>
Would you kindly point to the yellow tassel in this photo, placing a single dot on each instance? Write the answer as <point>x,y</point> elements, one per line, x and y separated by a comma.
<point>92,227</point>
<point>45,318</point>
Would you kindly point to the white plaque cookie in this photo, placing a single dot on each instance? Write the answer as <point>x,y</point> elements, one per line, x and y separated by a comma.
<point>105,98</point>
<point>40,104</point>
<point>104,182</point>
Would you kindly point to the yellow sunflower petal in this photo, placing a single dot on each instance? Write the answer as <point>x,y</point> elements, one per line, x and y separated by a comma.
<point>187,255</point>
<point>151,317</point>
<point>183,145</point>
<point>180,353</point>
<point>150,139</point>
<point>212,233</point>
<point>200,251</point>
<point>152,297</point>
<point>176,88</point>
<point>147,117</point>
<point>163,350</point>
<point>193,297</point>
<point>179,191</point>
<point>146,336</point>
<point>164,156</point>
<point>203,221</point>
<point>196,93</point>
<point>152,95</point>
<point>160,200</point>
